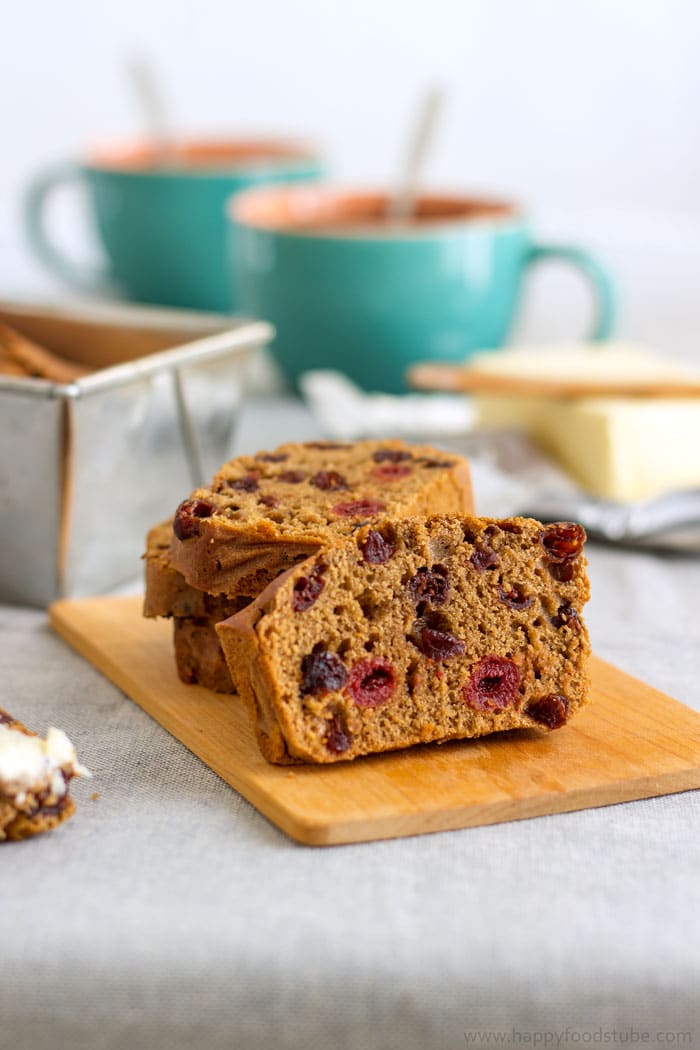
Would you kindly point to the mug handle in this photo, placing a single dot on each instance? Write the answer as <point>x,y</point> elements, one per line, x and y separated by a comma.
<point>36,199</point>
<point>598,278</point>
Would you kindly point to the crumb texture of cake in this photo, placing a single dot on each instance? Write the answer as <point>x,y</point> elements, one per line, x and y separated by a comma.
<point>263,514</point>
<point>34,779</point>
<point>198,655</point>
<point>415,631</point>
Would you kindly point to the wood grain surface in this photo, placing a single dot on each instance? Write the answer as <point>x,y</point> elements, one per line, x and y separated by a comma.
<point>632,742</point>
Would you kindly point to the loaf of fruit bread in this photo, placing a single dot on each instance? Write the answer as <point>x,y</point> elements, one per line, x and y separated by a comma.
<point>262,514</point>
<point>415,631</point>
<point>34,778</point>
<point>198,656</point>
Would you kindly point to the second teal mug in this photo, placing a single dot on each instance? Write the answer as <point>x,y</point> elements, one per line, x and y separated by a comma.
<point>348,289</point>
<point>161,219</point>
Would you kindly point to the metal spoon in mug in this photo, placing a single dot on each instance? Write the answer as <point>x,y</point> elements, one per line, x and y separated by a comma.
<point>149,95</point>
<point>401,205</point>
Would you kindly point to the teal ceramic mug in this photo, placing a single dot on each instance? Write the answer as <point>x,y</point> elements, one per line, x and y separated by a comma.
<point>348,289</point>
<point>161,219</point>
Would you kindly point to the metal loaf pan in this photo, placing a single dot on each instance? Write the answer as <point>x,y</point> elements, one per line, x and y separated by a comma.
<point>87,467</point>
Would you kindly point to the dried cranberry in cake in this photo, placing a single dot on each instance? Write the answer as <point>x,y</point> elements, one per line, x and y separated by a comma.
<point>325,446</point>
<point>562,571</point>
<point>272,457</point>
<point>249,483</point>
<point>566,616</point>
<point>359,508</point>
<point>338,738</point>
<point>391,472</point>
<point>376,549</point>
<point>515,597</point>
<point>550,711</point>
<point>292,477</point>
<point>328,481</point>
<point>391,455</point>
<point>372,682</point>
<point>484,558</point>
<point>430,585</point>
<point>493,685</point>
<point>563,541</point>
<point>439,645</point>
<point>307,589</point>
<point>268,501</point>
<point>188,516</point>
<point>322,672</point>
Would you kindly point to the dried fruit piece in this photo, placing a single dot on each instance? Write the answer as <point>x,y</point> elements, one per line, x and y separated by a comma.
<point>292,477</point>
<point>268,501</point>
<point>515,598</point>
<point>338,738</point>
<point>493,684</point>
<point>322,672</point>
<point>484,558</point>
<point>326,446</point>
<point>329,481</point>
<point>391,455</point>
<point>391,472</point>
<point>188,515</point>
<point>430,585</point>
<point>273,457</point>
<point>307,589</point>
<point>358,508</point>
<point>563,541</point>
<point>562,571</point>
<point>249,483</point>
<point>567,616</point>
<point>551,711</point>
<point>433,464</point>
<point>372,682</point>
<point>439,645</point>
<point>376,549</point>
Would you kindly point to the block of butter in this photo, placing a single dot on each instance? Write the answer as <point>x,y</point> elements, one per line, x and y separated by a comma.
<point>620,448</point>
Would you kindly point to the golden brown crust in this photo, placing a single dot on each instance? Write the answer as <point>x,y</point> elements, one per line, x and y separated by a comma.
<point>167,591</point>
<point>219,561</point>
<point>198,655</point>
<point>239,643</point>
<point>501,596</point>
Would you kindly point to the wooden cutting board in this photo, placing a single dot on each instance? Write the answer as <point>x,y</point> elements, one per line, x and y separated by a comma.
<point>433,375</point>
<point>632,742</point>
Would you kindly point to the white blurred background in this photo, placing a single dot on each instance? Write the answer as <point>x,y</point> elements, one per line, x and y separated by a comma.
<point>589,112</point>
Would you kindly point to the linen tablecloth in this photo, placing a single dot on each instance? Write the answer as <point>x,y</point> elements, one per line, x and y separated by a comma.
<point>169,914</point>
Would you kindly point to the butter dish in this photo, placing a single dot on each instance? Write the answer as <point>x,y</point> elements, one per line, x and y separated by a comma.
<point>617,447</point>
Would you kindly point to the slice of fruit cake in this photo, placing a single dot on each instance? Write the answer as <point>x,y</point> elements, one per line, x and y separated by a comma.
<point>415,631</point>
